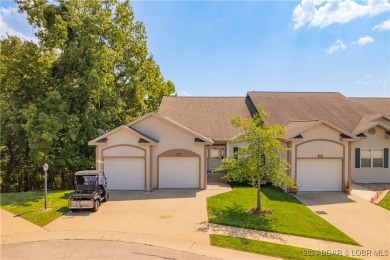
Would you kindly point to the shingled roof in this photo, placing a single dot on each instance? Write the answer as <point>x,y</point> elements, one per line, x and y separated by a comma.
<point>377,105</point>
<point>211,116</point>
<point>333,107</point>
<point>208,116</point>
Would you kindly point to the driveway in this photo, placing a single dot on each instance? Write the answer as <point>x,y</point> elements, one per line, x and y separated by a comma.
<point>172,213</point>
<point>363,221</point>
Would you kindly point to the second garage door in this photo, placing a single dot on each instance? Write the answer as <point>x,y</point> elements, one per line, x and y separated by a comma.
<point>182,172</point>
<point>125,173</point>
<point>319,174</point>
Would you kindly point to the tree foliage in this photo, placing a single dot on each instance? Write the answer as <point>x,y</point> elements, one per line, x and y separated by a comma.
<point>261,160</point>
<point>91,69</point>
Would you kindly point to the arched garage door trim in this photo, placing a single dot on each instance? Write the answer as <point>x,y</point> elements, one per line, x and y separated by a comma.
<point>125,156</point>
<point>324,157</point>
<point>177,153</point>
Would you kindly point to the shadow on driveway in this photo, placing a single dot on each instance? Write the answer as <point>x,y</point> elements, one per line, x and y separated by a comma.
<point>323,198</point>
<point>117,195</point>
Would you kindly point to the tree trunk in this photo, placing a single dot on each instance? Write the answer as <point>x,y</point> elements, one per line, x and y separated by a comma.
<point>258,195</point>
<point>258,208</point>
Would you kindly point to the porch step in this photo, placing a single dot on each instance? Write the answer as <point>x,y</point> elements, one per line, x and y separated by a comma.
<point>215,174</point>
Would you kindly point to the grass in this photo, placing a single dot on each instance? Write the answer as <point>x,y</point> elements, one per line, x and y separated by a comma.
<point>289,216</point>
<point>29,205</point>
<point>272,249</point>
<point>385,202</point>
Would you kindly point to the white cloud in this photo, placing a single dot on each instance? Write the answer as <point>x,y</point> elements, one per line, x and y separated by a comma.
<point>322,13</point>
<point>10,16</point>
<point>382,81</point>
<point>336,46</point>
<point>361,82</point>
<point>383,26</point>
<point>8,11</point>
<point>183,94</point>
<point>364,40</point>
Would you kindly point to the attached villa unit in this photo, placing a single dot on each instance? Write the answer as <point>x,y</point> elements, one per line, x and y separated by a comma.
<point>333,140</point>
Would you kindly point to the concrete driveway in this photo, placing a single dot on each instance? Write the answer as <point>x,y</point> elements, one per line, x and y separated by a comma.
<point>172,213</point>
<point>366,223</point>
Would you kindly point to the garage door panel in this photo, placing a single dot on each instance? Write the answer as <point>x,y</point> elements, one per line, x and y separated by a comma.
<point>125,173</point>
<point>179,172</point>
<point>319,174</point>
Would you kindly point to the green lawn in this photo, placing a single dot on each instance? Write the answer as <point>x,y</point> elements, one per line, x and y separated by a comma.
<point>272,249</point>
<point>29,205</point>
<point>385,203</point>
<point>289,216</point>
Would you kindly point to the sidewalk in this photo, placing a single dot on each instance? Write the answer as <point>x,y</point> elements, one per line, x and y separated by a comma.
<point>15,225</point>
<point>362,192</point>
<point>216,185</point>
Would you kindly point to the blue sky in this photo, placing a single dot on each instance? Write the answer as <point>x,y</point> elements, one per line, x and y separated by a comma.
<point>226,48</point>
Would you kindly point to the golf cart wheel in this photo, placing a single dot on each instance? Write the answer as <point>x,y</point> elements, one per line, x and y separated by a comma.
<point>106,197</point>
<point>96,205</point>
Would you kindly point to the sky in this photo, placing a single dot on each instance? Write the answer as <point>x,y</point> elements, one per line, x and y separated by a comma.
<point>226,48</point>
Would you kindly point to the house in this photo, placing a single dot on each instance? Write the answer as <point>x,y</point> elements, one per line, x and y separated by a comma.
<point>332,140</point>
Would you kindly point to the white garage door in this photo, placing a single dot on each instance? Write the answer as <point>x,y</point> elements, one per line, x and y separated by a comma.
<point>180,172</point>
<point>125,173</point>
<point>319,174</point>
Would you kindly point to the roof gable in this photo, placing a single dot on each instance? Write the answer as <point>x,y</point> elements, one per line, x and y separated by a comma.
<point>370,121</point>
<point>297,128</point>
<point>103,138</point>
<point>172,122</point>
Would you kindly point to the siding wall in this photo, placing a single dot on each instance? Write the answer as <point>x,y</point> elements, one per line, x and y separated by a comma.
<point>371,175</point>
<point>319,147</point>
<point>118,145</point>
<point>170,137</point>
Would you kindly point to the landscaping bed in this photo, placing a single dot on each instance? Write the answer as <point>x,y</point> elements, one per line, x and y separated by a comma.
<point>289,216</point>
<point>30,205</point>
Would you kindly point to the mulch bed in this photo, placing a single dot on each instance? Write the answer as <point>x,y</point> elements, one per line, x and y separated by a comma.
<point>375,186</point>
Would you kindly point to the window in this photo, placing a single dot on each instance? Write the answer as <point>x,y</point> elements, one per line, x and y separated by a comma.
<point>371,158</point>
<point>377,157</point>
<point>235,150</point>
<point>365,158</point>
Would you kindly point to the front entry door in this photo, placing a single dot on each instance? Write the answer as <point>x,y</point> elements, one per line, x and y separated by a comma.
<point>216,154</point>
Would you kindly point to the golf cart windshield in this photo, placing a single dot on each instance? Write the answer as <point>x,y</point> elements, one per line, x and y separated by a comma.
<point>86,183</point>
<point>86,180</point>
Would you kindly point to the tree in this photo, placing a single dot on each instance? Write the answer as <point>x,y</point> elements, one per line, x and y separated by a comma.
<point>91,69</point>
<point>24,74</point>
<point>261,161</point>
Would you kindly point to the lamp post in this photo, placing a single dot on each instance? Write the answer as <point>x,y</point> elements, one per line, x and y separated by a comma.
<point>45,168</point>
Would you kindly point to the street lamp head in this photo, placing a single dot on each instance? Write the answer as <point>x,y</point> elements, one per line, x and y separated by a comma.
<point>45,167</point>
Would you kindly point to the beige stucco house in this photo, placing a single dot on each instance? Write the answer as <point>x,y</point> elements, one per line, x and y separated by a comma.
<point>333,140</point>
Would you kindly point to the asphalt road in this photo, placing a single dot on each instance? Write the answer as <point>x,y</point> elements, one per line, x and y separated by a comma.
<point>91,249</point>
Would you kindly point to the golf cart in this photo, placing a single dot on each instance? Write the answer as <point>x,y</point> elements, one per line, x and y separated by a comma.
<point>90,190</point>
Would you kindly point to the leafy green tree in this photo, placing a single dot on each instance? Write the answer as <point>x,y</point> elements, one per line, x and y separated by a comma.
<point>261,161</point>
<point>91,69</point>
<point>24,74</point>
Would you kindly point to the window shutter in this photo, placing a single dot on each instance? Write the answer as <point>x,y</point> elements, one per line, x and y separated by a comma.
<point>386,157</point>
<point>235,150</point>
<point>357,157</point>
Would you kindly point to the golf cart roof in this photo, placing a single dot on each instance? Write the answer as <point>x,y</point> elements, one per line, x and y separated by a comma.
<point>88,172</point>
